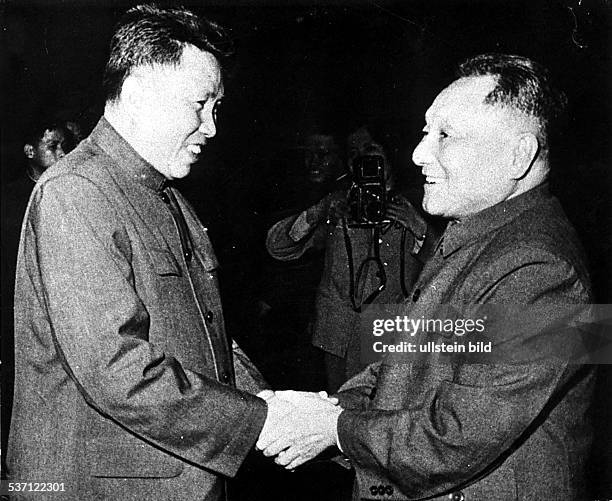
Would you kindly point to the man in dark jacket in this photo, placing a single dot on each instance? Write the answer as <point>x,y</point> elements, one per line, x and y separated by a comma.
<point>471,427</point>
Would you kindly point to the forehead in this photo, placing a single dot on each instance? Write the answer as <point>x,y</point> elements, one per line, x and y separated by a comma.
<point>320,141</point>
<point>359,138</point>
<point>198,72</point>
<point>200,65</point>
<point>462,98</point>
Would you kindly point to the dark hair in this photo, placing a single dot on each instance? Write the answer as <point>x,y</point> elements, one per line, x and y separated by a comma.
<point>148,35</point>
<point>35,130</point>
<point>521,84</point>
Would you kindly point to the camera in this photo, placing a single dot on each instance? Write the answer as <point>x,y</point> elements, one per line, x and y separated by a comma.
<point>368,194</point>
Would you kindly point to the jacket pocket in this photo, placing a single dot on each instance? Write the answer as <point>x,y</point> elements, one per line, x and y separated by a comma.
<point>164,263</point>
<point>130,459</point>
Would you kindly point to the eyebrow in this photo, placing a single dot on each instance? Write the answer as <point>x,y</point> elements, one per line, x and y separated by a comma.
<point>212,95</point>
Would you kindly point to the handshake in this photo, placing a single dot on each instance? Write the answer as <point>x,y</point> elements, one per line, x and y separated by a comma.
<point>299,426</point>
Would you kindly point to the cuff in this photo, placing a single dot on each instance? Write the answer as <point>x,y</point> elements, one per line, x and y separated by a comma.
<point>300,228</point>
<point>337,437</point>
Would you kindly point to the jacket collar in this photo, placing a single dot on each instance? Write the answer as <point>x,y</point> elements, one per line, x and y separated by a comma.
<point>130,162</point>
<point>459,233</point>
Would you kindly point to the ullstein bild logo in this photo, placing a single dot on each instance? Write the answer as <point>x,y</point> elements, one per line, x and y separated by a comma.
<point>489,334</point>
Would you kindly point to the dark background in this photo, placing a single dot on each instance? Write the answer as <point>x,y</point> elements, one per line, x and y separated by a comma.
<point>298,63</point>
<point>346,61</point>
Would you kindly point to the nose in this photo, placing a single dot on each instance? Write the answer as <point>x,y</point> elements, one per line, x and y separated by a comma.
<point>422,154</point>
<point>208,127</point>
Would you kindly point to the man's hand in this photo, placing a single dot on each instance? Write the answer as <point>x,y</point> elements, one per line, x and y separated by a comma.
<point>317,214</point>
<point>330,209</point>
<point>279,418</point>
<point>299,426</point>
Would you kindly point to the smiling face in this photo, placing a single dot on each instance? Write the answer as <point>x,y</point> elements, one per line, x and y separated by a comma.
<point>466,152</point>
<point>175,110</point>
<point>321,158</point>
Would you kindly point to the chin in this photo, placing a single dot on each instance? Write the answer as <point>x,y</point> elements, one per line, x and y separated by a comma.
<point>317,179</point>
<point>431,207</point>
<point>180,171</point>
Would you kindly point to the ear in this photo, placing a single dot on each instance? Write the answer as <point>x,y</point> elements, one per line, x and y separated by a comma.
<point>132,93</point>
<point>525,152</point>
<point>28,150</point>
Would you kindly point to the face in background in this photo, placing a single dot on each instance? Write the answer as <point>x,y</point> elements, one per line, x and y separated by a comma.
<point>48,150</point>
<point>466,151</point>
<point>321,158</point>
<point>174,110</point>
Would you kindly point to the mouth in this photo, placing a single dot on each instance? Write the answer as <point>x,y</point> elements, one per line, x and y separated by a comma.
<point>194,149</point>
<point>433,180</point>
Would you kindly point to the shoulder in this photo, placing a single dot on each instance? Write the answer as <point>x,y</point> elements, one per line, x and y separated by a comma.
<point>87,159</point>
<point>83,173</point>
<point>542,232</point>
<point>536,255</point>
<point>78,186</point>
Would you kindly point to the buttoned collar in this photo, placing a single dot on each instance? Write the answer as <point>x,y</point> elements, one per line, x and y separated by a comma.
<point>130,162</point>
<point>459,233</point>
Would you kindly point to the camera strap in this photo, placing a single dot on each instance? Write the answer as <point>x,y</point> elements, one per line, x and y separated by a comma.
<point>354,280</point>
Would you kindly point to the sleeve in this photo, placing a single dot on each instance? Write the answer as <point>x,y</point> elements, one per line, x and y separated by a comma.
<point>357,392</point>
<point>466,423</point>
<point>291,237</point>
<point>248,377</point>
<point>282,242</point>
<point>78,254</point>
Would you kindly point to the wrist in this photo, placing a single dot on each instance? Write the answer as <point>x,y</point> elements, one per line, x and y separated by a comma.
<point>266,395</point>
<point>333,426</point>
<point>314,215</point>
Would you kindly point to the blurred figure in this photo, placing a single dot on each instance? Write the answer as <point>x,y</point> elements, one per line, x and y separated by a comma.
<point>363,264</point>
<point>45,143</point>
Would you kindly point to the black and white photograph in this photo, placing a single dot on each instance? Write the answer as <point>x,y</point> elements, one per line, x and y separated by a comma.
<point>306,250</point>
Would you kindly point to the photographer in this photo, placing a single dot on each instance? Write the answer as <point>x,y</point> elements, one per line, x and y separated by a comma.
<point>368,259</point>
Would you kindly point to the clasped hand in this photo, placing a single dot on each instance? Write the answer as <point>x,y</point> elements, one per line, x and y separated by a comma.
<point>298,427</point>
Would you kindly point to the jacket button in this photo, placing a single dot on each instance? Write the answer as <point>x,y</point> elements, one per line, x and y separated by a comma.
<point>164,197</point>
<point>225,377</point>
<point>416,295</point>
<point>456,496</point>
<point>209,316</point>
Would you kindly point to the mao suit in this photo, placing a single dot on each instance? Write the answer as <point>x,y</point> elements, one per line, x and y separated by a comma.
<point>481,431</point>
<point>126,386</point>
